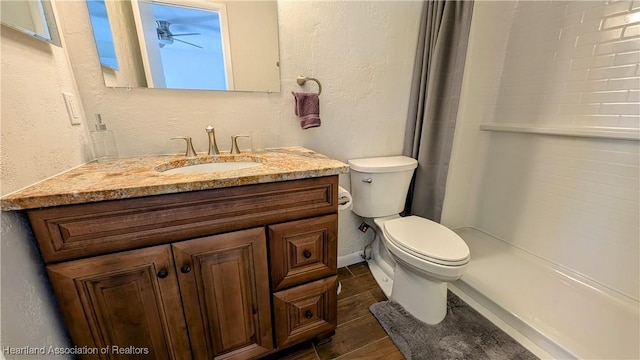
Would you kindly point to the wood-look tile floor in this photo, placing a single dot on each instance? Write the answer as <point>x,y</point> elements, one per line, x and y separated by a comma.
<point>358,335</point>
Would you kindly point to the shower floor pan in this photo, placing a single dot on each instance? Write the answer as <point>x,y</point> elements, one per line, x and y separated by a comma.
<point>553,313</point>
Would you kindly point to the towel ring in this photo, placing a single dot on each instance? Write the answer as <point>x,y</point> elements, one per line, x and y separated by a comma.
<point>303,79</point>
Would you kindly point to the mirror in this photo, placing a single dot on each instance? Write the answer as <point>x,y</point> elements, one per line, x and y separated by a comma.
<point>34,18</point>
<point>188,44</point>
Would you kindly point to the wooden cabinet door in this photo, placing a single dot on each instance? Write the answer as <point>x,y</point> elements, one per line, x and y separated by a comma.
<point>127,303</point>
<point>224,283</point>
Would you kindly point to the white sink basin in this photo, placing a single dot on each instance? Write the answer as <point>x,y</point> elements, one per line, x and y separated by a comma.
<point>199,167</point>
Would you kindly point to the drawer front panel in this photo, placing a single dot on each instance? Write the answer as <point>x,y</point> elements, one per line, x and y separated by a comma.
<point>76,231</point>
<point>306,311</point>
<point>303,250</point>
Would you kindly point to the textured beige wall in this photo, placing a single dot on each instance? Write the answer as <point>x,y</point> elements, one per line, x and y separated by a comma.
<point>362,52</point>
<point>37,141</point>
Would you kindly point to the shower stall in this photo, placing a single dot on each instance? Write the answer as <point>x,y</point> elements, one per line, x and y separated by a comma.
<point>545,174</point>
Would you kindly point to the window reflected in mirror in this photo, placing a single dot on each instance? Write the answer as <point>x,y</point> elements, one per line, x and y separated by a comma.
<point>192,50</point>
<point>178,44</point>
<point>102,33</point>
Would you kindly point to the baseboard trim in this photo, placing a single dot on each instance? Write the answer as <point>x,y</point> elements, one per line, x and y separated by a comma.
<point>350,259</point>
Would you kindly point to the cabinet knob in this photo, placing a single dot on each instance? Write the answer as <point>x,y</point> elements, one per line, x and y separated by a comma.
<point>308,314</point>
<point>163,273</point>
<point>306,254</point>
<point>185,268</point>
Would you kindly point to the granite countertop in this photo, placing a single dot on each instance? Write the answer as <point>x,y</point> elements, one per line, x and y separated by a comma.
<point>142,176</point>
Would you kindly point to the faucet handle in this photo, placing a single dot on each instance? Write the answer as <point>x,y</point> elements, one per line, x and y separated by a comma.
<point>234,143</point>
<point>190,150</point>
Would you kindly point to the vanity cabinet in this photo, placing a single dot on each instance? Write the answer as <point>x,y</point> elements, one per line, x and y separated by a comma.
<point>233,273</point>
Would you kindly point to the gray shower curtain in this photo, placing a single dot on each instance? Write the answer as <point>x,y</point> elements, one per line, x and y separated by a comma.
<point>433,106</point>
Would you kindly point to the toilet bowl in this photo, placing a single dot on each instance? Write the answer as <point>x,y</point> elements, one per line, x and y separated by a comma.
<point>412,258</point>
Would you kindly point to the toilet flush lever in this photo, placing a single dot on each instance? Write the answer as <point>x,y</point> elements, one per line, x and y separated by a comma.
<point>367,180</point>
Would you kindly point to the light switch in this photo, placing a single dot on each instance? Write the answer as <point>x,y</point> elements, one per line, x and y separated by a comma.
<point>72,109</point>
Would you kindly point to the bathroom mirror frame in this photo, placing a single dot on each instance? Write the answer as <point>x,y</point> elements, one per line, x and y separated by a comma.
<point>45,27</point>
<point>251,45</point>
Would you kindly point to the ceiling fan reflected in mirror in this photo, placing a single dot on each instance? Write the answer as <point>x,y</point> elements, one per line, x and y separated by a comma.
<point>166,37</point>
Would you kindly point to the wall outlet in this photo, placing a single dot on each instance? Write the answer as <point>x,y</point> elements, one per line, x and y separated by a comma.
<point>72,108</point>
<point>363,227</point>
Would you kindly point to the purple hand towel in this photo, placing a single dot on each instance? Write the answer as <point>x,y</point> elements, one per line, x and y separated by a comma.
<point>308,109</point>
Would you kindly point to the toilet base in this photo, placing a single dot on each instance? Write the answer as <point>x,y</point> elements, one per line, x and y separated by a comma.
<point>384,281</point>
<point>423,298</point>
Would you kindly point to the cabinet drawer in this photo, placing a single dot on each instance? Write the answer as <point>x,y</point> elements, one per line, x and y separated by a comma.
<point>306,311</point>
<point>74,231</point>
<point>303,250</point>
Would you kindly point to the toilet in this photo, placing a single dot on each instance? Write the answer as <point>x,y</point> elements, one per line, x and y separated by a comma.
<point>412,258</point>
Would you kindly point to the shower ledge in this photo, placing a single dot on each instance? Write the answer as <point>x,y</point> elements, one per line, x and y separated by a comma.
<point>564,315</point>
<point>612,133</point>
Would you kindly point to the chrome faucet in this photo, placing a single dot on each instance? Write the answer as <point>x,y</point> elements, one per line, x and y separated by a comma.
<point>213,147</point>
<point>234,143</point>
<point>191,152</point>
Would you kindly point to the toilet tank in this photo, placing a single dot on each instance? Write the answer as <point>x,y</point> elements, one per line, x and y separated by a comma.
<point>379,185</point>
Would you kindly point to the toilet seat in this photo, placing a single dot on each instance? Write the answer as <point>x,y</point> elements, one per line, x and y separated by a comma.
<point>427,240</point>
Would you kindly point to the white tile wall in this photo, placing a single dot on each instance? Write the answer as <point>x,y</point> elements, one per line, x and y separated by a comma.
<point>568,60</point>
<point>572,201</point>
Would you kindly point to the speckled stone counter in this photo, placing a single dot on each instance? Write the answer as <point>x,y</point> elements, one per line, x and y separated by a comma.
<point>142,176</point>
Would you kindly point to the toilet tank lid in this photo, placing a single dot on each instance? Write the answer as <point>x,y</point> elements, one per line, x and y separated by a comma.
<point>383,164</point>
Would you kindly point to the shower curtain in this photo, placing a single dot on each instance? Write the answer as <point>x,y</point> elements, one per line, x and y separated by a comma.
<point>433,106</point>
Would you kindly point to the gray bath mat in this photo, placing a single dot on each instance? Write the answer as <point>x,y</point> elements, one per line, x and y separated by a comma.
<point>464,334</point>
